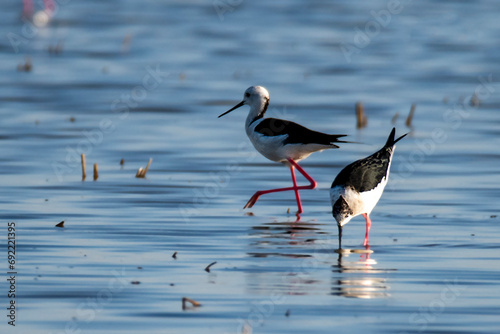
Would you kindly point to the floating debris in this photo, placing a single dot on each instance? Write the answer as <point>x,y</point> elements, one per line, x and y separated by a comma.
<point>493,216</point>
<point>139,268</point>
<point>84,173</point>
<point>409,119</point>
<point>287,313</point>
<point>135,282</point>
<point>207,269</point>
<point>96,173</point>
<point>174,255</point>
<point>26,67</point>
<point>61,224</point>
<point>189,300</point>
<point>56,49</point>
<point>141,173</point>
<point>361,120</point>
<point>72,119</point>
<point>122,162</point>
<point>474,100</point>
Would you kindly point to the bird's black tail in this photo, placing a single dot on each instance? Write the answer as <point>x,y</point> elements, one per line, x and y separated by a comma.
<point>390,141</point>
<point>335,139</point>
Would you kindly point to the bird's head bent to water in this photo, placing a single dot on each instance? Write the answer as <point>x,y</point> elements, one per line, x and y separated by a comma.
<point>257,97</point>
<point>341,211</point>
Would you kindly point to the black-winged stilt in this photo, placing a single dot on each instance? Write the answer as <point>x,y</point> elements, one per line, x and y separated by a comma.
<point>281,141</point>
<point>359,186</point>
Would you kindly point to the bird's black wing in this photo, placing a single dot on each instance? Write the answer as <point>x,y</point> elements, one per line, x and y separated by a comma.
<point>365,174</point>
<point>297,134</point>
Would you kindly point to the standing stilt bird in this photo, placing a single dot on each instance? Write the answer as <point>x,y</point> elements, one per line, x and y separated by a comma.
<point>359,186</point>
<point>281,141</point>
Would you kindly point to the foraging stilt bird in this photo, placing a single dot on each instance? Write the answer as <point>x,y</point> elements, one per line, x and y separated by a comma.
<point>358,187</point>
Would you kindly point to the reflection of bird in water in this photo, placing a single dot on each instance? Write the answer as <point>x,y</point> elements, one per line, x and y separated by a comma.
<point>281,141</point>
<point>42,17</point>
<point>359,186</point>
<point>356,278</point>
<point>280,233</point>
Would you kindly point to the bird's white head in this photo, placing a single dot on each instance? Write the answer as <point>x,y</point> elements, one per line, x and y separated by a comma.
<point>257,97</point>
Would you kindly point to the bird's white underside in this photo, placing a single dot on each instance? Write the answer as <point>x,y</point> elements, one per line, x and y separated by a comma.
<point>272,147</point>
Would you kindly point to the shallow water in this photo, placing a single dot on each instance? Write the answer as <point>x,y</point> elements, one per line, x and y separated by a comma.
<point>432,264</point>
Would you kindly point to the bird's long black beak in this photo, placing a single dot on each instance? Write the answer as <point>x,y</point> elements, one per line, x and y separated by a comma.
<point>235,107</point>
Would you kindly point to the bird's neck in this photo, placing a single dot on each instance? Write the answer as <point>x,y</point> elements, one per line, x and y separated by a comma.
<point>257,112</point>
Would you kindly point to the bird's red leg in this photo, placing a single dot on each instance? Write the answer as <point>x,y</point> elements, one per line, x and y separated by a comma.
<point>296,190</point>
<point>368,225</point>
<point>28,8</point>
<point>312,185</point>
<point>259,193</point>
<point>49,6</point>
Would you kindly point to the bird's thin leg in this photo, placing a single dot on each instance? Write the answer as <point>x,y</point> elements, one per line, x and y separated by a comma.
<point>312,185</point>
<point>296,190</point>
<point>259,193</point>
<point>28,8</point>
<point>49,6</point>
<point>368,225</point>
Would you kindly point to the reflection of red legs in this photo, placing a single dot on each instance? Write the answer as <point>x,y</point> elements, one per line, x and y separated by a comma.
<point>368,225</point>
<point>366,256</point>
<point>295,188</point>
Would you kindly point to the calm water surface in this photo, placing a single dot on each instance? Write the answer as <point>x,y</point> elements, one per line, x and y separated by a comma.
<point>145,79</point>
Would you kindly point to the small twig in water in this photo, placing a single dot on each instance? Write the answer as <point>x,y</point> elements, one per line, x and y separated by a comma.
<point>84,173</point>
<point>410,115</point>
<point>395,118</point>
<point>26,67</point>
<point>207,269</point>
<point>474,100</point>
<point>61,224</point>
<point>193,302</point>
<point>174,255</point>
<point>96,173</point>
<point>361,120</point>
<point>141,173</point>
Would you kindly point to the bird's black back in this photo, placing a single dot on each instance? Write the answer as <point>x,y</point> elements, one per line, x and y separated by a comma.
<point>297,134</point>
<point>365,174</point>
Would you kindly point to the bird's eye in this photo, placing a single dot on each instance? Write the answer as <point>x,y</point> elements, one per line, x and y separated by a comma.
<point>247,94</point>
